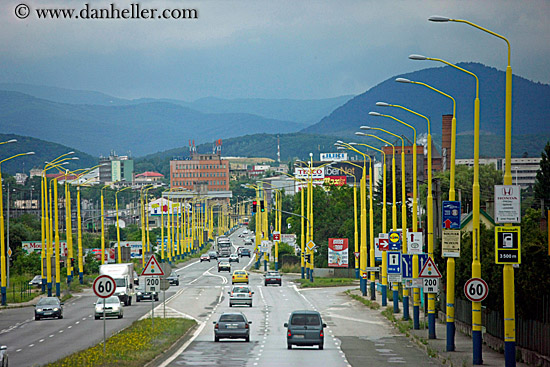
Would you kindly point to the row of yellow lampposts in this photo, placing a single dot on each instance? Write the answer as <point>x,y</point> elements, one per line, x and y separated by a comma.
<point>3,263</point>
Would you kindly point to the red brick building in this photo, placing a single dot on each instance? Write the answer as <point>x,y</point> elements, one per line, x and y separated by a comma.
<point>201,170</point>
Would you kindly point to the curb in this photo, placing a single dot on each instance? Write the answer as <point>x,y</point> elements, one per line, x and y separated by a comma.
<point>173,348</point>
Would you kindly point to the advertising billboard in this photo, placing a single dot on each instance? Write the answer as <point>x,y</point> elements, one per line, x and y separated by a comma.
<point>338,252</point>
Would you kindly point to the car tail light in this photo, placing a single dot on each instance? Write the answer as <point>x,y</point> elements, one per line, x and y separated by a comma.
<point>321,334</point>
<point>289,334</point>
<point>246,326</point>
<point>250,294</point>
<point>217,326</point>
<point>233,277</point>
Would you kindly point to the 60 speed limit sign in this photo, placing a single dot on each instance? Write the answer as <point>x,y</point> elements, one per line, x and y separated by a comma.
<point>476,289</point>
<point>104,286</point>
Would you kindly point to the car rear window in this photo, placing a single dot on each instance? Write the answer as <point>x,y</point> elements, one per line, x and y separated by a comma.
<point>231,318</point>
<point>305,319</point>
<point>240,273</point>
<point>241,290</point>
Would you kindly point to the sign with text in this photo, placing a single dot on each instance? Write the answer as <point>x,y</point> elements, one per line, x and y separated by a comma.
<point>450,243</point>
<point>338,252</point>
<point>394,241</point>
<point>430,285</point>
<point>508,245</point>
<point>32,246</point>
<point>331,157</point>
<point>507,204</point>
<point>305,173</point>
<point>384,241</point>
<point>335,180</point>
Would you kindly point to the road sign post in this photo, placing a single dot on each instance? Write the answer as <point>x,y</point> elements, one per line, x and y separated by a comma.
<point>508,245</point>
<point>104,287</point>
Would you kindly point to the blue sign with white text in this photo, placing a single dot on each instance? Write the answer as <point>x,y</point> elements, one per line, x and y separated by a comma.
<point>394,262</point>
<point>451,214</point>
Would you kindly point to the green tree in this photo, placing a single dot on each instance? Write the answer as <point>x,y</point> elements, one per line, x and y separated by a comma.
<point>542,183</point>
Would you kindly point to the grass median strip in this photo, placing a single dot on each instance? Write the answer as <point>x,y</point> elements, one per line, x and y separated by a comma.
<point>325,282</point>
<point>133,346</point>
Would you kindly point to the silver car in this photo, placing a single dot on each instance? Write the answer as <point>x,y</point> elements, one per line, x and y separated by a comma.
<point>240,295</point>
<point>113,307</point>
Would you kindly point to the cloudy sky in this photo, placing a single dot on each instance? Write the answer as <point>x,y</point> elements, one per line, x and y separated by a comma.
<point>299,49</point>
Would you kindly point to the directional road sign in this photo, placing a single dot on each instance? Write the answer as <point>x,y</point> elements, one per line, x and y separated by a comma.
<point>450,243</point>
<point>407,265</point>
<point>430,285</point>
<point>507,204</point>
<point>414,242</point>
<point>508,245</point>
<point>383,240</point>
<point>394,262</point>
<point>152,284</point>
<point>394,241</point>
<point>451,214</point>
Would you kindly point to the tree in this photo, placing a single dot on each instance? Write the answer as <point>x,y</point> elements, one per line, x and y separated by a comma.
<point>542,182</point>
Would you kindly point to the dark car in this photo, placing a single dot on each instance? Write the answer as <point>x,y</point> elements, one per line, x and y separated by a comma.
<point>48,307</point>
<point>141,294</point>
<point>213,255</point>
<point>305,328</point>
<point>224,266</point>
<point>232,326</point>
<point>205,257</point>
<point>4,356</point>
<point>273,277</point>
<point>173,278</point>
<point>245,252</point>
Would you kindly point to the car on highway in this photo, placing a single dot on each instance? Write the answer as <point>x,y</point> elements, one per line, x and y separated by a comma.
<point>239,276</point>
<point>233,258</point>
<point>232,325</point>
<point>205,257</point>
<point>240,295</point>
<point>273,277</point>
<point>48,307</point>
<point>224,265</point>
<point>305,328</point>
<point>141,294</point>
<point>173,278</point>
<point>245,252</point>
<point>113,307</point>
<point>4,356</point>
<point>36,281</point>
<point>245,231</point>
<point>248,242</point>
<point>213,255</point>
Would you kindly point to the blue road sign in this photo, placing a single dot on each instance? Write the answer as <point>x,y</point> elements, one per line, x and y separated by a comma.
<point>422,260</point>
<point>394,243</point>
<point>451,214</point>
<point>394,262</point>
<point>407,266</point>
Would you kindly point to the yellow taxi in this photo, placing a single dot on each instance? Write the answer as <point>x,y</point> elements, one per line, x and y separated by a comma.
<point>240,276</point>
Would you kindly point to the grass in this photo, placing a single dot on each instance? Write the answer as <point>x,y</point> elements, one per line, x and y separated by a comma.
<point>132,347</point>
<point>293,268</point>
<point>325,282</point>
<point>370,304</point>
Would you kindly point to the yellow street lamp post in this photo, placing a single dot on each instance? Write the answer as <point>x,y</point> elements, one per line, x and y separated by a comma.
<point>415,269</point>
<point>450,293</point>
<point>119,252</point>
<point>3,263</point>
<point>477,338</point>
<point>363,216</point>
<point>403,211</point>
<point>508,270</point>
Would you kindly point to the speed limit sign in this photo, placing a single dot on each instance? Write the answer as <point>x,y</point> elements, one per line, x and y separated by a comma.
<point>104,286</point>
<point>476,289</point>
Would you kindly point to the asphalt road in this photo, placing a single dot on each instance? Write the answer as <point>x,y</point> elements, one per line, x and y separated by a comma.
<point>355,336</point>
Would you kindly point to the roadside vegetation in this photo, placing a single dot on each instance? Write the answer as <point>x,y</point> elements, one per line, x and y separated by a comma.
<point>325,282</point>
<point>134,346</point>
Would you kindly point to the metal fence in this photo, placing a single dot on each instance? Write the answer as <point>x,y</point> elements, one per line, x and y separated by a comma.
<point>20,292</point>
<point>531,334</point>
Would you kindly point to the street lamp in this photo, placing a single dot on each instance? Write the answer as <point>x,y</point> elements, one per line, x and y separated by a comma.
<point>450,261</point>
<point>3,263</point>
<point>476,257</point>
<point>119,252</point>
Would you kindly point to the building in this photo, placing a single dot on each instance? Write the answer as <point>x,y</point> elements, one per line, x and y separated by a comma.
<point>524,170</point>
<point>20,178</point>
<point>201,170</point>
<point>116,168</point>
<point>35,172</point>
<point>147,178</point>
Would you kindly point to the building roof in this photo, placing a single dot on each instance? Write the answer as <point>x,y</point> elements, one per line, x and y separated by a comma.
<point>466,218</point>
<point>150,174</point>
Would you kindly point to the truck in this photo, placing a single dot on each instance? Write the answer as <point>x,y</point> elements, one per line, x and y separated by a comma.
<point>123,274</point>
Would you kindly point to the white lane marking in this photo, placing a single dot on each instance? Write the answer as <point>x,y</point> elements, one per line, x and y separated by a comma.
<point>60,331</point>
<point>31,345</point>
<point>41,340</point>
<point>84,319</point>
<point>51,336</point>
<point>78,322</point>
<point>70,326</point>
<point>18,350</point>
<point>354,319</point>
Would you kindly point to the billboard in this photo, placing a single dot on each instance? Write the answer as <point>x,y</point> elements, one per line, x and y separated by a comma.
<point>338,252</point>
<point>331,157</point>
<point>304,173</point>
<point>32,246</point>
<point>335,180</point>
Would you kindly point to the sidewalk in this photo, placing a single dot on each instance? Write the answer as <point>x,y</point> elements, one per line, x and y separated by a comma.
<point>462,356</point>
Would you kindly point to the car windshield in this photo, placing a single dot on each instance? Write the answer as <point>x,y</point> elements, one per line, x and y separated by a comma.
<point>231,318</point>
<point>305,319</point>
<point>272,274</point>
<point>113,299</point>
<point>173,274</point>
<point>241,290</point>
<point>120,282</point>
<point>48,301</point>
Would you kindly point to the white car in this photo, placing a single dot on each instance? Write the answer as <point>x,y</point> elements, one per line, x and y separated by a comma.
<point>245,231</point>
<point>234,258</point>
<point>113,307</point>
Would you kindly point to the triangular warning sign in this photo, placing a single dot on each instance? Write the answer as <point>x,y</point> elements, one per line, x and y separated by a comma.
<point>152,267</point>
<point>357,254</point>
<point>429,270</point>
